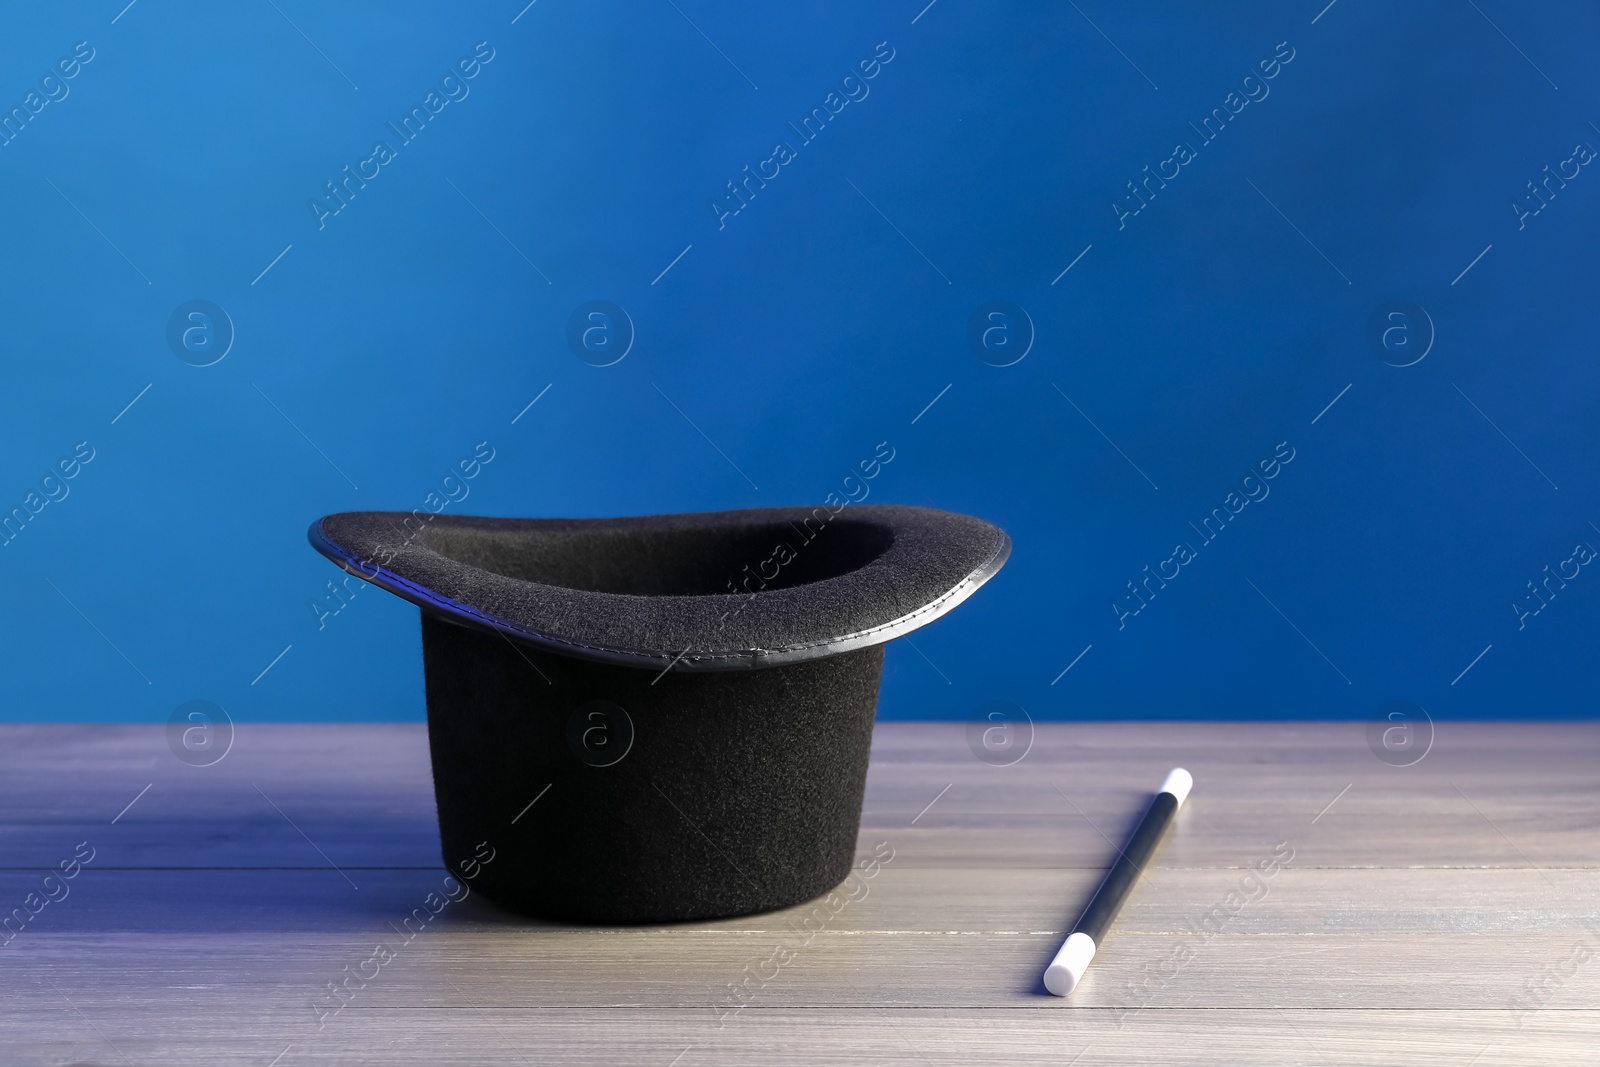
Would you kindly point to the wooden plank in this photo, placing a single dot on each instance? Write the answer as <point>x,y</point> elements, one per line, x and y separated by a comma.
<point>1307,939</point>
<point>471,1035</point>
<point>961,901</point>
<point>1495,795</point>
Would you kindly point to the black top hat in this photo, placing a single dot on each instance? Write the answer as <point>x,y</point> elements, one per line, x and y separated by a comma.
<point>666,717</point>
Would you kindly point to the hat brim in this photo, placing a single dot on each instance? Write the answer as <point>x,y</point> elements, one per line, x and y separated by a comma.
<point>711,591</point>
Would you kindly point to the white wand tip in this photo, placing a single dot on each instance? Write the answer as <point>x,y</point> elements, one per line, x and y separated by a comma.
<point>1178,783</point>
<point>1064,972</point>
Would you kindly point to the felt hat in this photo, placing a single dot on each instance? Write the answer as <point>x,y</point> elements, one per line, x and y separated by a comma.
<point>663,717</point>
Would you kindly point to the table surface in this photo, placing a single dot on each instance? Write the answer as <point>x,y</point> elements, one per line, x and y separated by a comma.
<point>1446,912</point>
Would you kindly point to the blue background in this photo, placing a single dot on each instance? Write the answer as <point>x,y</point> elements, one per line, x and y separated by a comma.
<point>820,320</point>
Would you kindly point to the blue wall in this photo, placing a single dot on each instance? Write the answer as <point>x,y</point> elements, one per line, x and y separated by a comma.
<point>1191,341</point>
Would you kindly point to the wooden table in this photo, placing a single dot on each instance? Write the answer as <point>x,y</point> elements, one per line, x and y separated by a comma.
<point>1442,913</point>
